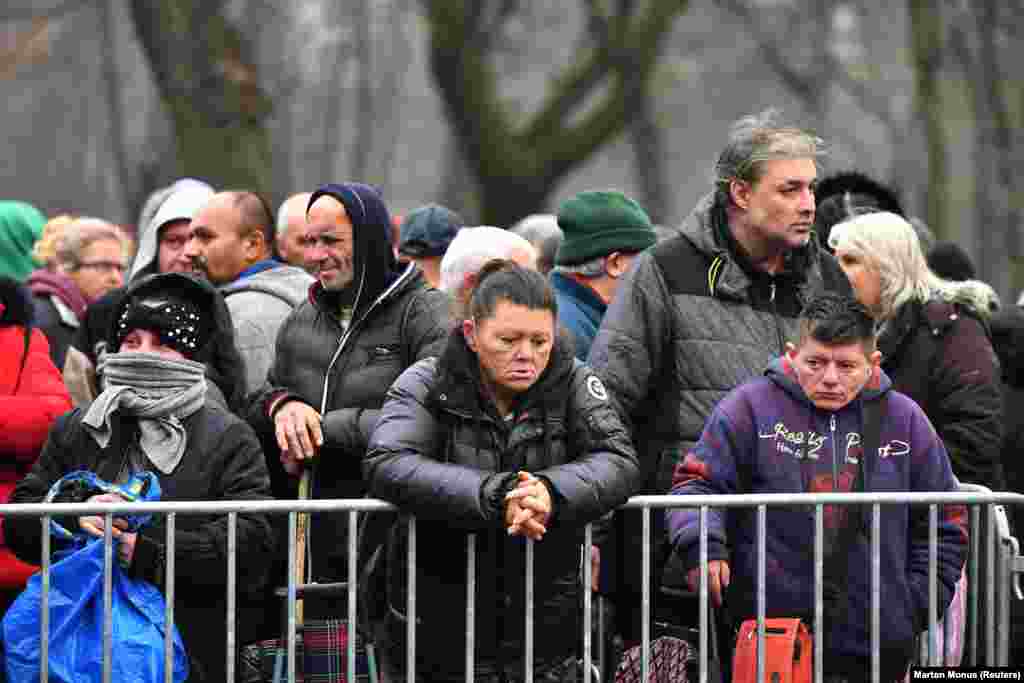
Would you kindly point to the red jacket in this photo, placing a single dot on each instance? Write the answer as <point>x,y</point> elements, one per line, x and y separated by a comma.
<point>31,398</point>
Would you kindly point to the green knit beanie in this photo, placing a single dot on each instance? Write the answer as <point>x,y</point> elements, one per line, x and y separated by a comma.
<point>598,223</point>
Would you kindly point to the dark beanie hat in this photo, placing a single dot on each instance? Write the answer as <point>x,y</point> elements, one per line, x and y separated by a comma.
<point>597,223</point>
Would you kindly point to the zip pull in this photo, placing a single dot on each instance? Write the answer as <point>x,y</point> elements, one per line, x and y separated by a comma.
<point>771,296</point>
<point>835,463</point>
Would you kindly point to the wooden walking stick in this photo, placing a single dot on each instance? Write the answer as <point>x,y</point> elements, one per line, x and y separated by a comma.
<point>301,533</point>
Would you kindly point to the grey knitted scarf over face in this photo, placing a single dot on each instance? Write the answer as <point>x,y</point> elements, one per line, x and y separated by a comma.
<point>157,391</point>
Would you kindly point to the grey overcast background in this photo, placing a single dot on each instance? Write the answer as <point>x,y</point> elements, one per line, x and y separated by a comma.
<point>922,95</point>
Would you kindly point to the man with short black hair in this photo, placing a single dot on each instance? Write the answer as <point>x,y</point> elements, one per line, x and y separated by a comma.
<point>230,242</point>
<point>804,427</point>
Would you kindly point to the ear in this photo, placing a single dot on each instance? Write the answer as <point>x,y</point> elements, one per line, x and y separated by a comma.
<point>469,332</point>
<point>616,265</point>
<point>875,359</point>
<point>739,192</point>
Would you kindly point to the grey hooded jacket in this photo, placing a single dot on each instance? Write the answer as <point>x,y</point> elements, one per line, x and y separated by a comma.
<point>259,304</point>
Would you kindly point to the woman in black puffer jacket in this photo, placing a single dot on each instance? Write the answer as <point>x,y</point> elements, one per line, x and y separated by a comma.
<point>507,437</point>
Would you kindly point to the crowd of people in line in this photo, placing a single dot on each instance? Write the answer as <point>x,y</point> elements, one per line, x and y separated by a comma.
<point>514,382</point>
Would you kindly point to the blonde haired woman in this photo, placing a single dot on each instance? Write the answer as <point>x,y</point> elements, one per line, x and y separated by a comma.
<point>934,337</point>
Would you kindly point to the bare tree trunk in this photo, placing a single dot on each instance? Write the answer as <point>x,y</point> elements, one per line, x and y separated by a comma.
<point>208,82</point>
<point>111,81</point>
<point>392,86</point>
<point>975,43</point>
<point>926,45</point>
<point>362,146</point>
<point>649,145</point>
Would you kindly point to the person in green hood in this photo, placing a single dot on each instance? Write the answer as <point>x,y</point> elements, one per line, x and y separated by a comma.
<point>21,224</point>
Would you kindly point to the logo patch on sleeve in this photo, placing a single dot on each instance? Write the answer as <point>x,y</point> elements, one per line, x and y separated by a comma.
<point>596,389</point>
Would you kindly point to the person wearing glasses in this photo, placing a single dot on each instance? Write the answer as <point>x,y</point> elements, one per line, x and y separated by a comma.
<point>91,256</point>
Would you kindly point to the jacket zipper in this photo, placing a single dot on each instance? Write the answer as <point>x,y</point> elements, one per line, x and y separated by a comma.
<point>775,315</point>
<point>346,335</point>
<point>835,465</point>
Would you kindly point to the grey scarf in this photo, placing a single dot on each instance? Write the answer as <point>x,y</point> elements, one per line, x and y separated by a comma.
<point>157,391</point>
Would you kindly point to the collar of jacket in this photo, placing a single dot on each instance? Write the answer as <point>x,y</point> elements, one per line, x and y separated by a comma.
<point>937,316</point>
<point>731,276</point>
<point>399,281</point>
<point>583,295</point>
<point>459,388</point>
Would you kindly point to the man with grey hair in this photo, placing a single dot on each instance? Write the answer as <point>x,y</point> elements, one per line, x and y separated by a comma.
<point>470,250</point>
<point>704,311</point>
<point>289,237</point>
<point>542,231</point>
<point>603,233</point>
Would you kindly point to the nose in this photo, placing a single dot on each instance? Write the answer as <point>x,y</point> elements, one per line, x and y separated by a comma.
<point>831,375</point>
<point>314,252</point>
<point>807,201</point>
<point>191,248</point>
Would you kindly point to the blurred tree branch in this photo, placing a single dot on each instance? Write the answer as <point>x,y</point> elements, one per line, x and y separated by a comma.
<point>209,84</point>
<point>517,165</point>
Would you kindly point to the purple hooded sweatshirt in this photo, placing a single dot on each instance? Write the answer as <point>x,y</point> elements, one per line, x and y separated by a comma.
<point>767,437</point>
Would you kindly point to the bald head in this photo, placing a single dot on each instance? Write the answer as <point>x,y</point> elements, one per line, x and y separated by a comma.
<point>291,230</point>
<point>231,232</point>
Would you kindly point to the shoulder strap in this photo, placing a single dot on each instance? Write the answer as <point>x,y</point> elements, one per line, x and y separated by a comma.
<point>837,566</point>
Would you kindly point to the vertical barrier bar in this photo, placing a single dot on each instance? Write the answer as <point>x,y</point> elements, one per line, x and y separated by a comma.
<point>702,644</point>
<point>819,590</point>
<point>528,642</point>
<point>108,594</point>
<point>470,606</point>
<point>350,643</point>
<point>974,583</point>
<point>876,591</point>
<point>229,665</point>
<point>44,605</point>
<point>933,583</point>
<point>410,613</point>
<point>292,526</point>
<point>947,635</point>
<point>645,596</point>
<point>1004,601</point>
<point>588,579</point>
<point>762,535</point>
<point>990,594</point>
<point>169,599</point>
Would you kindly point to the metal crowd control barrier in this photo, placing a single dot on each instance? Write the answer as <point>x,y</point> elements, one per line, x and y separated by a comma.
<point>1002,568</point>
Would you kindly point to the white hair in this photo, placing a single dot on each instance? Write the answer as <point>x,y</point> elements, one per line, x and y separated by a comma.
<point>472,248</point>
<point>289,206</point>
<point>890,244</point>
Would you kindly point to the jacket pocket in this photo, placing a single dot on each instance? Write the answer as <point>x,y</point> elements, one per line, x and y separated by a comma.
<point>383,353</point>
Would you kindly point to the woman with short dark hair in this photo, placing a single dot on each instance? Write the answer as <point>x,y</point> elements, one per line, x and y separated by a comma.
<point>505,436</point>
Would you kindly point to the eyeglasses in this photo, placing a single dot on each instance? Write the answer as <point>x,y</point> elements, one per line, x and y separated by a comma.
<point>103,266</point>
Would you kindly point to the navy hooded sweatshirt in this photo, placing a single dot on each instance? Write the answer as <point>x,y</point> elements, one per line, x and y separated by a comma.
<point>766,436</point>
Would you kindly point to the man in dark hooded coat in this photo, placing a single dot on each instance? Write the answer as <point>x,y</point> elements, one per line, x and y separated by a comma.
<point>366,320</point>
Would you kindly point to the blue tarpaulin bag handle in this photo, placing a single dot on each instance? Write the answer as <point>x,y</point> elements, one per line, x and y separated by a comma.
<point>76,605</point>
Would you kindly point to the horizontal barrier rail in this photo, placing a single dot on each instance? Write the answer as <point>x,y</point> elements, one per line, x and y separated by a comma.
<point>634,503</point>
<point>1000,568</point>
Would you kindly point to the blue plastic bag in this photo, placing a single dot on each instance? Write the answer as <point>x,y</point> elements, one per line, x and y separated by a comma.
<point>76,608</point>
